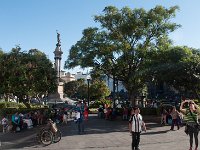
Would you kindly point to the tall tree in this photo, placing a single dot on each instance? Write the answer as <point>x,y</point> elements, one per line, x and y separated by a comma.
<point>71,88</point>
<point>29,74</point>
<point>1,68</point>
<point>179,67</point>
<point>99,90</point>
<point>119,48</point>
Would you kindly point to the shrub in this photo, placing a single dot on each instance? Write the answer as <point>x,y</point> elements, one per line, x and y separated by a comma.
<point>7,111</point>
<point>12,105</point>
<point>21,105</point>
<point>101,102</point>
<point>9,108</point>
<point>2,105</point>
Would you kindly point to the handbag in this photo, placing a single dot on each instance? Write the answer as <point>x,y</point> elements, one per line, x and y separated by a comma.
<point>17,128</point>
<point>197,124</point>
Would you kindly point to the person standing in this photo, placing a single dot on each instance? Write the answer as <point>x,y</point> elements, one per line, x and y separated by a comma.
<point>100,112</point>
<point>191,117</point>
<point>86,112</point>
<point>163,115</point>
<point>80,121</point>
<point>136,124</point>
<point>65,116</point>
<point>175,115</point>
<point>15,121</point>
<point>5,124</point>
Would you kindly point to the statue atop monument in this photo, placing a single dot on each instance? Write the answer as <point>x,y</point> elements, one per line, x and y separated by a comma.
<point>58,39</point>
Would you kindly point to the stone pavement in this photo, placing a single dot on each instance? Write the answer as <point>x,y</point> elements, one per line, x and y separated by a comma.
<point>101,134</point>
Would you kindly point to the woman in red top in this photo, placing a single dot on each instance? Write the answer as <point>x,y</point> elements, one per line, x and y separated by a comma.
<point>86,111</point>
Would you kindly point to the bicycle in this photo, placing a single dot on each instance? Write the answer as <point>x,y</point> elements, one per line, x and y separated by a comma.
<point>49,134</point>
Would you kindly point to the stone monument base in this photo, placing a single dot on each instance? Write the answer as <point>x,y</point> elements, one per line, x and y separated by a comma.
<point>57,96</point>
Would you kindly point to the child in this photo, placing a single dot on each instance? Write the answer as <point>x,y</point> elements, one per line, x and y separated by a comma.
<point>4,122</point>
<point>65,117</point>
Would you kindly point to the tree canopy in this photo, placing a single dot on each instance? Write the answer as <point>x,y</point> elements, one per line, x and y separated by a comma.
<point>120,46</point>
<point>26,73</point>
<point>79,89</point>
<point>179,67</point>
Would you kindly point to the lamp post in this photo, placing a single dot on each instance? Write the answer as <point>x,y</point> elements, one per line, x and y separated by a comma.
<point>114,93</point>
<point>88,94</point>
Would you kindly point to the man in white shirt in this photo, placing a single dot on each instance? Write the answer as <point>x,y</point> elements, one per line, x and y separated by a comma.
<point>136,124</point>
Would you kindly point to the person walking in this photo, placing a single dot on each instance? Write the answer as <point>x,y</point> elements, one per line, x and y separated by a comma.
<point>191,117</point>
<point>175,116</point>
<point>80,121</point>
<point>136,124</point>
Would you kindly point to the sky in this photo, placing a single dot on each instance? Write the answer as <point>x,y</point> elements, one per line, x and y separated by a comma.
<point>33,23</point>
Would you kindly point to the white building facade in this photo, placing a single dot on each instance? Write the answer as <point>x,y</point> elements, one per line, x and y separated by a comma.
<point>67,77</point>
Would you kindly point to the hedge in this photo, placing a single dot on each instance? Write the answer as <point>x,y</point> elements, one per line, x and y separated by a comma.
<point>7,108</point>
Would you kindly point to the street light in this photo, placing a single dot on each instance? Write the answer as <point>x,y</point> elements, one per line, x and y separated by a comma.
<point>114,94</point>
<point>88,95</point>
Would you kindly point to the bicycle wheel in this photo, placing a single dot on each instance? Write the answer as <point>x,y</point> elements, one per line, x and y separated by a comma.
<point>57,136</point>
<point>46,137</point>
<point>38,135</point>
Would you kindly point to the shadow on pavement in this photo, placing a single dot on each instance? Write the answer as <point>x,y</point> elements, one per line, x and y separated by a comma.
<point>156,132</point>
<point>19,140</point>
<point>94,125</point>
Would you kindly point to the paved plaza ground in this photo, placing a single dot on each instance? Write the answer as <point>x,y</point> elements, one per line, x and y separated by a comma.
<point>101,134</point>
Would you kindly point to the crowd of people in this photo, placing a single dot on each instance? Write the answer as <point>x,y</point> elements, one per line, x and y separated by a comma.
<point>110,113</point>
<point>172,117</point>
<point>188,109</point>
<point>20,121</point>
<point>169,115</point>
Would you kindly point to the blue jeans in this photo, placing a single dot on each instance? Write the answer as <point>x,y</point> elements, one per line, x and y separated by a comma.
<point>80,126</point>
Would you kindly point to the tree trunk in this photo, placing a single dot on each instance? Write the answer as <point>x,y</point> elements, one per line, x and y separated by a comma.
<point>131,98</point>
<point>20,98</point>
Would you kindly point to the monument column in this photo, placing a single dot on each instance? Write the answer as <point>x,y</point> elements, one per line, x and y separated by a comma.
<point>57,57</point>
